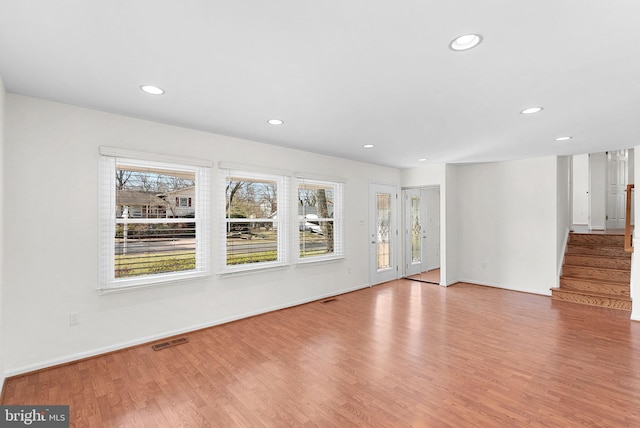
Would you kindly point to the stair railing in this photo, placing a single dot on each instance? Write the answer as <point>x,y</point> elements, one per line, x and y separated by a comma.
<point>628,228</point>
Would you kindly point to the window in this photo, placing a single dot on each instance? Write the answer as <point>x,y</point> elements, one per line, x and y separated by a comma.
<point>255,220</point>
<point>319,219</point>
<point>183,201</point>
<point>154,222</point>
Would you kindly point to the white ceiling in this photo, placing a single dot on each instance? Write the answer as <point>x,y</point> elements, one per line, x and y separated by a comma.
<point>343,73</point>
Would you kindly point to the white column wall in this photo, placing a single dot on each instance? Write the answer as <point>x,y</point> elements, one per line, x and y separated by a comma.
<point>2,335</point>
<point>507,224</point>
<point>452,264</point>
<point>564,211</point>
<point>635,256</point>
<point>51,156</point>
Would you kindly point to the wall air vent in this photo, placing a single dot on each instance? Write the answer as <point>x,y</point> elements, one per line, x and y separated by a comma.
<point>169,343</point>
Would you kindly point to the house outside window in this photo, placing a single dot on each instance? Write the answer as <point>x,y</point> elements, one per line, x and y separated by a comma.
<point>154,224</point>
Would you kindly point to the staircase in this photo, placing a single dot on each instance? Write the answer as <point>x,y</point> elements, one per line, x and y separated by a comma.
<point>596,271</point>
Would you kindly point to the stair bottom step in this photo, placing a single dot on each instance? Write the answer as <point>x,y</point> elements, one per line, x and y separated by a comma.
<point>595,287</point>
<point>592,299</point>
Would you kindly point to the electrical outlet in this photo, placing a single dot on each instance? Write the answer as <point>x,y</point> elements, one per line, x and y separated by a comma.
<point>73,319</point>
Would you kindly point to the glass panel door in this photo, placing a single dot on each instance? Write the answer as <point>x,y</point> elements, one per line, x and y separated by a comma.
<point>383,233</point>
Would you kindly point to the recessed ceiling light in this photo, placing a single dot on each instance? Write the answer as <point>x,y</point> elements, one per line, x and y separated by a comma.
<point>153,90</point>
<point>275,121</point>
<point>465,42</point>
<point>422,160</point>
<point>368,146</point>
<point>531,110</point>
<point>568,137</point>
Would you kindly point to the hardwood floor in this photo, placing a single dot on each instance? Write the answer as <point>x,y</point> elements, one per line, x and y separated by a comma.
<point>403,353</point>
<point>584,229</point>
<point>432,276</point>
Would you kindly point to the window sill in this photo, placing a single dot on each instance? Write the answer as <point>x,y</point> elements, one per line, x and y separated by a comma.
<point>142,283</point>
<point>248,270</point>
<point>320,260</point>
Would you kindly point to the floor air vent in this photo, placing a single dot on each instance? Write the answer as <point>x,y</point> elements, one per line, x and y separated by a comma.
<point>329,301</point>
<point>169,343</point>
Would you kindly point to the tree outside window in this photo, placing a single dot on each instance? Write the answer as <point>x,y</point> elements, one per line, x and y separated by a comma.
<point>318,223</point>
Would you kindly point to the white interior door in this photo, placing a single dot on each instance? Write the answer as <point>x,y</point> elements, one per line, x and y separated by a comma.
<point>616,187</point>
<point>383,233</point>
<point>414,235</point>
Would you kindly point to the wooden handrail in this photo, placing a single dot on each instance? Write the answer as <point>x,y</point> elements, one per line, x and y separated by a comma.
<point>628,238</point>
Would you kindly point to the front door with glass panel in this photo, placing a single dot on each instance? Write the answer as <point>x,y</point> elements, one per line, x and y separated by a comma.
<point>414,232</point>
<point>383,233</point>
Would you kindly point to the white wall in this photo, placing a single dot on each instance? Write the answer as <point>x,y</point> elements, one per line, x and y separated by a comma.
<point>451,263</point>
<point>563,203</point>
<point>2,335</point>
<point>580,180</point>
<point>507,224</point>
<point>635,256</point>
<point>432,197</point>
<point>51,155</point>
<point>631,167</point>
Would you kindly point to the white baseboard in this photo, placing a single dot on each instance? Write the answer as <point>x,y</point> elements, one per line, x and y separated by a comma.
<point>524,290</point>
<point>140,341</point>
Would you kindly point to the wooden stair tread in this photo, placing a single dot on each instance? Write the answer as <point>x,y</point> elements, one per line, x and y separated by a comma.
<point>592,299</point>
<point>597,251</point>
<point>602,256</point>
<point>618,273</point>
<point>600,264</point>
<point>601,240</point>
<point>605,287</point>
<point>596,246</point>
<point>590,293</point>
<point>615,281</point>
<point>612,269</point>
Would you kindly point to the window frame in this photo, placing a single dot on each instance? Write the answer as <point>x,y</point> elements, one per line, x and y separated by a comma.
<point>337,219</point>
<point>280,223</point>
<point>109,159</point>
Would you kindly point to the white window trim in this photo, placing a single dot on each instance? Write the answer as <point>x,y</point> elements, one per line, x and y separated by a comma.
<point>107,218</point>
<point>307,261</point>
<point>338,219</point>
<point>281,222</point>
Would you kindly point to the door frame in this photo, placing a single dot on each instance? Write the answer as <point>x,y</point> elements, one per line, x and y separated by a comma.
<point>432,241</point>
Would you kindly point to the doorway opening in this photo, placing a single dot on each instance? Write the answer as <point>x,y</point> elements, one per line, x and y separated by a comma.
<point>422,234</point>
<point>598,189</point>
